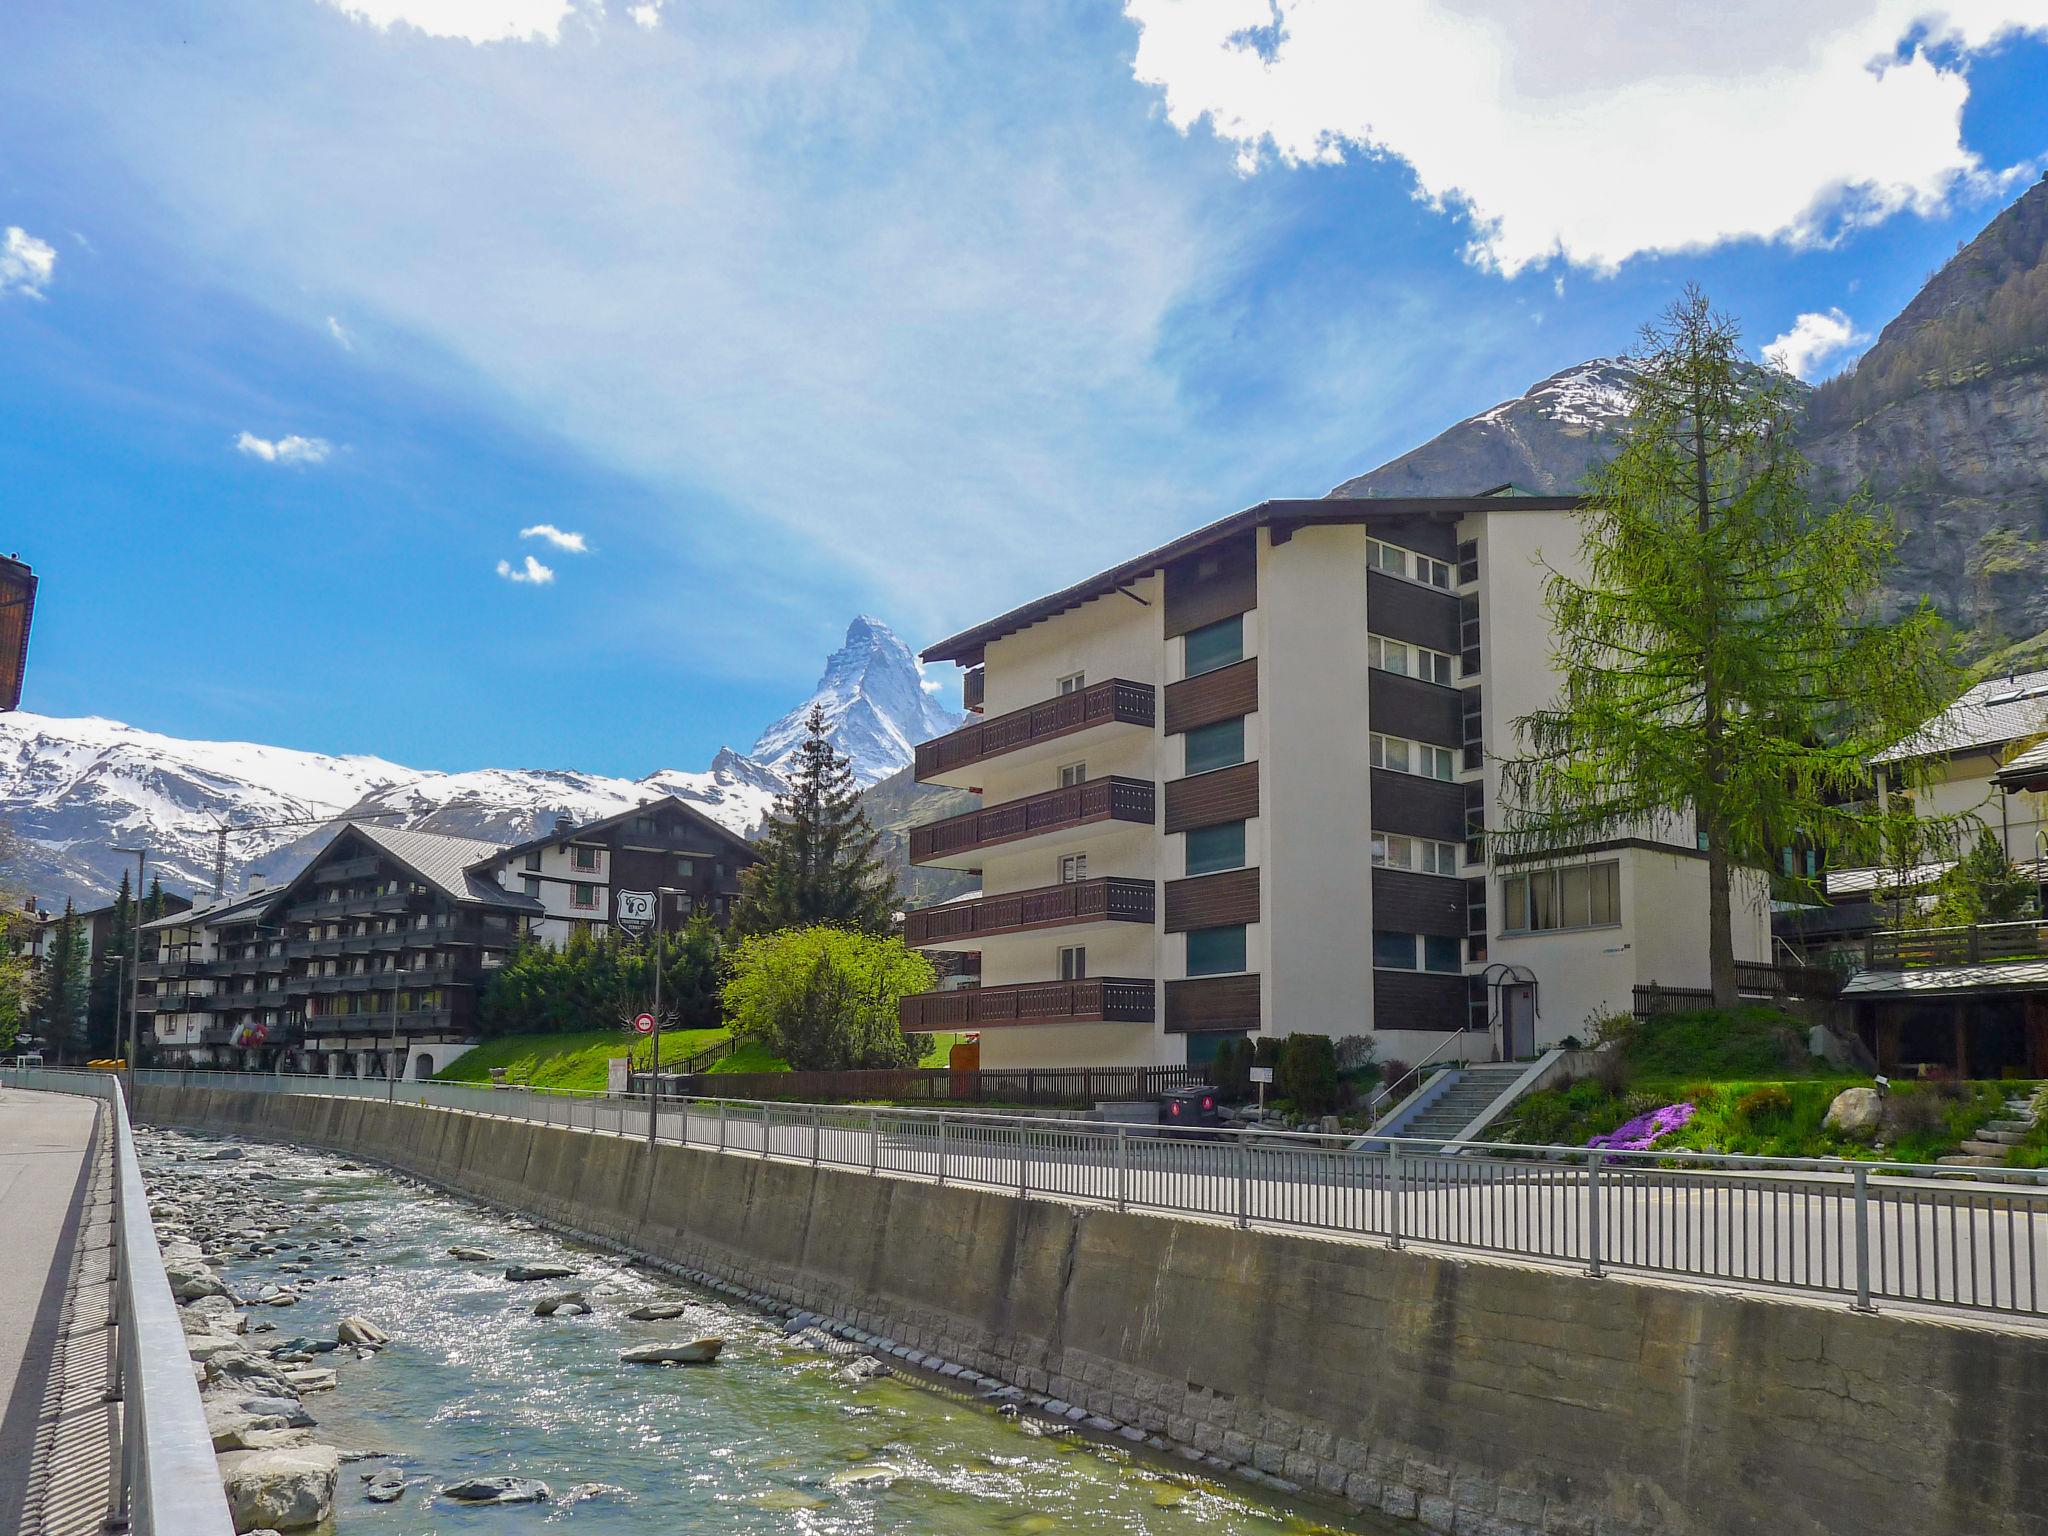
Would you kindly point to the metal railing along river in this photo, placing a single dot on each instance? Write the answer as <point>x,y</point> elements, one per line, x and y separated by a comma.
<point>1866,1232</point>
<point>166,1482</point>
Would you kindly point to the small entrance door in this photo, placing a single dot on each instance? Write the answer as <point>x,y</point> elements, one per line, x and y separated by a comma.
<point>1518,1020</point>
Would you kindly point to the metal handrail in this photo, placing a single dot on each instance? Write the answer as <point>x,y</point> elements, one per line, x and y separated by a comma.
<point>166,1482</point>
<point>1384,1094</point>
<point>1973,1241</point>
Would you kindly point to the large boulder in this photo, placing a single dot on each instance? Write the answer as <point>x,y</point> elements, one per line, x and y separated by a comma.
<point>568,1303</point>
<point>191,1280</point>
<point>1855,1112</point>
<point>496,1490</point>
<point>229,1425</point>
<point>538,1272</point>
<point>362,1332</point>
<point>251,1372</point>
<point>696,1352</point>
<point>285,1489</point>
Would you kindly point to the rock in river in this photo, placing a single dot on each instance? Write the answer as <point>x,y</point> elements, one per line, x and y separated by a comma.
<point>696,1352</point>
<point>658,1311</point>
<point>472,1255</point>
<point>496,1490</point>
<point>538,1272</point>
<point>569,1303</point>
<point>285,1490</point>
<point>361,1331</point>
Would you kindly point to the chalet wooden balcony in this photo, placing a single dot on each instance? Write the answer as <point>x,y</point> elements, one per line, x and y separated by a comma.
<point>957,842</point>
<point>1016,736</point>
<point>1111,899</point>
<point>1097,1000</point>
<point>1979,944</point>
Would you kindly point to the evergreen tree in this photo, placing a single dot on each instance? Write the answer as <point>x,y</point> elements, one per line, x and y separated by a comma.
<point>1983,886</point>
<point>61,1012</point>
<point>1720,656</point>
<point>106,1005</point>
<point>818,861</point>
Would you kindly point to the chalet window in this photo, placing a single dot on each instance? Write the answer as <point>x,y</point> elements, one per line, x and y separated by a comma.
<point>1405,660</point>
<point>1548,900</point>
<point>1401,755</point>
<point>1216,951</point>
<point>1213,645</point>
<point>1073,682</point>
<point>533,859</point>
<point>532,884</point>
<point>685,868</point>
<point>1214,746</point>
<point>582,857</point>
<point>1073,868</point>
<point>1212,848</point>
<point>1072,774</point>
<point>583,897</point>
<point>1073,962</point>
<point>643,824</point>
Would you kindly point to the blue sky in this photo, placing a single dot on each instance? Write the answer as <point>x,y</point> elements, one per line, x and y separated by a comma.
<point>309,308</point>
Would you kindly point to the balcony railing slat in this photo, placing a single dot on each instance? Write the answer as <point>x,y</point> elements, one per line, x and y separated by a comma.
<point>1117,701</point>
<point>1095,999</point>
<point>1092,800</point>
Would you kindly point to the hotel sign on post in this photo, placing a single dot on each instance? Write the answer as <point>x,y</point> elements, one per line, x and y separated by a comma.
<point>634,911</point>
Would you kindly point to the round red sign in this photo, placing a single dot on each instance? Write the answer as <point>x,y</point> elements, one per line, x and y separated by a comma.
<point>644,1023</point>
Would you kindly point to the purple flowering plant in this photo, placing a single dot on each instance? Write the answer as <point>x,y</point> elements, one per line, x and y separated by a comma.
<point>1645,1131</point>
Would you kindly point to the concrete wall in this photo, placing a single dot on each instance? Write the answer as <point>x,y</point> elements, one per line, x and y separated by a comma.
<point>1483,1398</point>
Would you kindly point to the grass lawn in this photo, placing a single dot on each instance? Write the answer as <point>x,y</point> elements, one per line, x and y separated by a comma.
<point>568,1060</point>
<point>755,1058</point>
<point>1755,1091</point>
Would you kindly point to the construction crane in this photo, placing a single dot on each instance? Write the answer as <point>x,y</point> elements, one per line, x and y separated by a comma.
<point>221,831</point>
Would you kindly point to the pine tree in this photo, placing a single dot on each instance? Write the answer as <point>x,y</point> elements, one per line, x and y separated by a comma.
<point>817,855</point>
<point>106,1004</point>
<point>1721,658</point>
<point>61,1020</point>
<point>1983,886</point>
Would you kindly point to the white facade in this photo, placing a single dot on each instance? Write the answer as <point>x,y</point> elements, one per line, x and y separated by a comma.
<point>1317,956</point>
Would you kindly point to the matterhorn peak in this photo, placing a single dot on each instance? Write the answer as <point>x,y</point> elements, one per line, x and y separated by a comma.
<point>877,708</point>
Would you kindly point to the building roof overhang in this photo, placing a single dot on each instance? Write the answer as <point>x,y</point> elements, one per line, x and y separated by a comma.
<point>1947,981</point>
<point>1284,518</point>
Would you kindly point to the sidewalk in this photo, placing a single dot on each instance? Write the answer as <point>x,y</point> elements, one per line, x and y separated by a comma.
<point>53,1339</point>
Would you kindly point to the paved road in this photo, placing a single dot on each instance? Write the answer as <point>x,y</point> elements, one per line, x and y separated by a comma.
<point>45,1140</point>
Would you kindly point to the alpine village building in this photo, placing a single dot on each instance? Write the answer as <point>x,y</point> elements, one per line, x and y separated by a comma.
<point>394,934</point>
<point>1242,782</point>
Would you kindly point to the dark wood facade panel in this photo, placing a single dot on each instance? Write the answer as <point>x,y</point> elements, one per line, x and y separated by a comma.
<point>1406,802</point>
<point>1212,1002</point>
<point>1212,584</point>
<point>1433,536</point>
<point>1405,610</point>
<point>1407,706</point>
<point>1209,799</point>
<point>1418,1000</point>
<point>1212,901</point>
<point>1406,902</point>
<point>1223,694</point>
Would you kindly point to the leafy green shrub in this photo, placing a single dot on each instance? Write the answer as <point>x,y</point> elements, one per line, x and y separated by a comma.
<point>1231,1071</point>
<point>1764,1108</point>
<point>1307,1074</point>
<point>824,999</point>
<point>1748,1042</point>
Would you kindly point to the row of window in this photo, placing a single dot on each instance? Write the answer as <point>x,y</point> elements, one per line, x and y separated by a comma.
<point>1405,659</point>
<point>1395,951</point>
<point>1409,564</point>
<point>1578,896</point>
<point>1424,855</point>
<point>1401,755</point>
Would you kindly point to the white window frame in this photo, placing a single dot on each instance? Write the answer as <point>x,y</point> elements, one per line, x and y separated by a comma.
<point>1421,855</point>
<point>1073,962</point>
<point>1411,565</point>
<point>1404,658</point>
<point>1382,753</point>
<point>1073,682</point>
<point>1600,872</point>
<point>1073,868</point>
<point>1072,774</point>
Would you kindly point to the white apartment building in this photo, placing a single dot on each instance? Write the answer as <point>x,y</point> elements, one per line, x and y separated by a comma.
<point>1241,783</point>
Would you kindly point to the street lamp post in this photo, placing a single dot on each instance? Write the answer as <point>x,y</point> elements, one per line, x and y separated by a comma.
<point>135,957</point>
<point>398,973</point>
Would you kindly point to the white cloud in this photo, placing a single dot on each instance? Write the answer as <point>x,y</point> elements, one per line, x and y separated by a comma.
<point>473,21</point>
<point>1567,129</point>
<point>26,263</point>
<point>531,573</point>
<point>647,14</point>
<point>1812,341</point>
<point>294,450</point>
<point>341,335</point>
<point>562,539</point>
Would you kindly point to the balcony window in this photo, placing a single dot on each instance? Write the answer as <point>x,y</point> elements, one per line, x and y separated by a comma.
<point>1408,564</point>
<point>1216,951</point>
<point>1400,755</point>
<point>1213,645</point>
<point>1406,660</point>
<point>1073,868</point>
<point>1550,900</point>
<point>1424,855</point>
<point>1215,746</point>
<point>1072,774</point>
<point>1212,848</point>
<point>1073,962</point>
<point>1073,682</point>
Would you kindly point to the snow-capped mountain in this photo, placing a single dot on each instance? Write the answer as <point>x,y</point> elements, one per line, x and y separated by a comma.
<point>875,701</point>
<point>72,791</point>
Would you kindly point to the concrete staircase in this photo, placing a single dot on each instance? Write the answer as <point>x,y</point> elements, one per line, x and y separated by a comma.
<point>1450,1112</point>
<point>1987,1149</point>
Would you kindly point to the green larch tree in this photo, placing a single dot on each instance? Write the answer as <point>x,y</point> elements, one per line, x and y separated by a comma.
<point>1724,666</point>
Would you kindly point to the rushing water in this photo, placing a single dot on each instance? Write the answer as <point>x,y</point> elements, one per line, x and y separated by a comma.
<point>766,1440</point>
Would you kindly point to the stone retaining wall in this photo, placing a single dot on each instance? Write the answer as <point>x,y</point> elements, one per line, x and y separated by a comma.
<point>1480,1398</point>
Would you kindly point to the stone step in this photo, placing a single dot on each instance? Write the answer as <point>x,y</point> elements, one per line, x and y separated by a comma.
<point>2009,1138</point>
<point>2015,1127</point>
<point>1969,1160</point>
<point>1991,1151</point>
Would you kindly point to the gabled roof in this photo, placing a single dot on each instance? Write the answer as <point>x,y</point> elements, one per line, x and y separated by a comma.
<point>223,909</point>
<point>561,835</point>
<point>1994,712</point>
<point>446,863</point>
<point>1282,516</point>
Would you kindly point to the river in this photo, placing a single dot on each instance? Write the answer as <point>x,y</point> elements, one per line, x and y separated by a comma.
<point>769,1439</point>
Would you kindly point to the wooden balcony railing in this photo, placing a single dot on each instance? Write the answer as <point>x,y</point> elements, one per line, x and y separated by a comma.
<point>1978,944</point>
<point>1111,899</point>
<point>1097,1000</point>
<point>1117,701</point>
<point>1078,805</point>
<point>972,687</point>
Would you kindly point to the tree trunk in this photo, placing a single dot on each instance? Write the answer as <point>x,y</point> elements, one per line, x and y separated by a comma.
<point>1720,927</point>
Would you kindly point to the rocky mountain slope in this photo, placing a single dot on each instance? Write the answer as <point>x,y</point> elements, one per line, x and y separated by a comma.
<point>73,790</point>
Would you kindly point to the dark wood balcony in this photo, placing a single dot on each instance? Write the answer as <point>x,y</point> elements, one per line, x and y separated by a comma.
<point>1097,1000</point>
<point>972,686</point>
<point>1111,899</point>
<point>1115,702</point>
<point>957,839</point>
